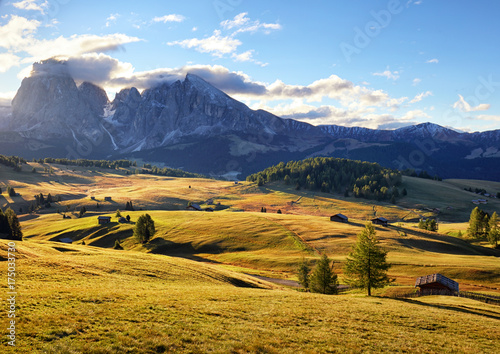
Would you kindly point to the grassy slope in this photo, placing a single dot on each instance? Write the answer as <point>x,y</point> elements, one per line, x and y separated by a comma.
<point>274,244</point>
<point>200,309</point>
<point>82,299</point>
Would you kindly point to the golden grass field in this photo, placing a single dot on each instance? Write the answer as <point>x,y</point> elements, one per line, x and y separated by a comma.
<point>189,288</point>
<point>85,299</point>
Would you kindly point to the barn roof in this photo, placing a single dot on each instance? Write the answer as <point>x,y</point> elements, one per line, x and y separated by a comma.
<point>342,216</point>
<point>65,240</point>
<point>437,279</point>
<point>104,217</point>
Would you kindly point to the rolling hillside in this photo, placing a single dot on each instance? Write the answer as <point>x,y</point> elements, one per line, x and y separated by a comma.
<point>83,299</point>
<point>191,289</point>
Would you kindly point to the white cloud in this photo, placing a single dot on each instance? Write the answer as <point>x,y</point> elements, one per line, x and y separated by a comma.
<point>488,117</point>
<point>18,33</point>
<point>421,96</point>
<point>32,5</point>
<point>432,61</point>
<point>18,37</point>
<point>169,18</point>
<point>388,74</point>
<point>416,81</point>
<point>217,45</point>
<point>7,61</point>
<point>112,19</point>
<point>464,106</point>
<point>76,45</point>
<point>243,24</point>
<point>6,98</point>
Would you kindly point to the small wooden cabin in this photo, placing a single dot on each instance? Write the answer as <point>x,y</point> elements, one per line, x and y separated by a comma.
<point>437,284</point>
<point>194,206</point>
<point>339,218</point>
<point>107,199</point>
<point>103,219</point>
<point>380,221</point>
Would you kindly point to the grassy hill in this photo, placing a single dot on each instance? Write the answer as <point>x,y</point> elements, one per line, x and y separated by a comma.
<point>83,299</point>
<point>274,244</point>
<point>189,288</point>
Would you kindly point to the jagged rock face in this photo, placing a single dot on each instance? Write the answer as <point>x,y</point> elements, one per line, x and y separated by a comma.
<point>95,97</point>
<point>194,108</point>
<point>50,106</point>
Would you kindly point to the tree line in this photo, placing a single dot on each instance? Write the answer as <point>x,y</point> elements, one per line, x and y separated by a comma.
<point>362,179</point>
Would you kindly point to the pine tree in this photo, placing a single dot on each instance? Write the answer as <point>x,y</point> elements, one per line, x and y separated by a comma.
<point>117,245</point>
<point>82,212</point>
<point>366,265</point>
<point>304,270</point>
<point>494,232</point>
<point>144,228</point>
<point>118,214</point>
<point>323,280</point>
<point>4,224</point>
<point>15,232</point>
<point>475,229</point>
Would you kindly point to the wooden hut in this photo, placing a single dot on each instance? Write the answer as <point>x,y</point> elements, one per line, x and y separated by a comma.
<point>339,218</point>
<point>380,221</point>
<point>437,284</point>
<point>103,219</point>
<point>194,207</point>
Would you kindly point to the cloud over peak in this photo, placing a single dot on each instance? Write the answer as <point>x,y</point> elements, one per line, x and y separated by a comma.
<point>464,106</point>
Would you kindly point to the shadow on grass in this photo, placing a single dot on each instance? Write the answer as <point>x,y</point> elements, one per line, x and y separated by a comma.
<point>182,250</point>
<point>442,243</point>
<point>485,313</point>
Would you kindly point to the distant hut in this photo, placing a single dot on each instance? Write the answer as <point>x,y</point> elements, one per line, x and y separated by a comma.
<point>209,202</point>
<point>107,199</point>
<point>194,207</point>
<point>380,221</point>
<point>209,209</point>
<point>437,284</point>
<point>122,220</point>
<point>339,218</point>
<point>103,219</point>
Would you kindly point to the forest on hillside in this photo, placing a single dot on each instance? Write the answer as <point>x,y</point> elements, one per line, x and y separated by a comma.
<point>362,179</point>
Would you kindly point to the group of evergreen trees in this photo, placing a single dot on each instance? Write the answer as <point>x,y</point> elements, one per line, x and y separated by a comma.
<point>88,163</point>
<point>363,179</point>
<point>422,174</point>
<point>12,161</point>
<point>10,228</point>
<point>484,226</point>
<point>366,267</point>
<point>429,224</point>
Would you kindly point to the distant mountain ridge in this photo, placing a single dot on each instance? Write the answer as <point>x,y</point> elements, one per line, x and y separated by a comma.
<point>190,124</point>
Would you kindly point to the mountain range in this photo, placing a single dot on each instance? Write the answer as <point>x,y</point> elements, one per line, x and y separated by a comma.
<point>192,125</point>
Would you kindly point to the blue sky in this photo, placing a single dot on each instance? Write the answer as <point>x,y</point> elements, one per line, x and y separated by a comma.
<point>377,64</point>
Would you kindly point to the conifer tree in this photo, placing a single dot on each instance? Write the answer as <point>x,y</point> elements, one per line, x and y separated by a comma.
<point>144,228</point>
<point>323,280</point>
<point>494,232</point>
<point>366,265</point>
<point>475,229</point>
<point>15,232</point>
<point>304,270</point>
